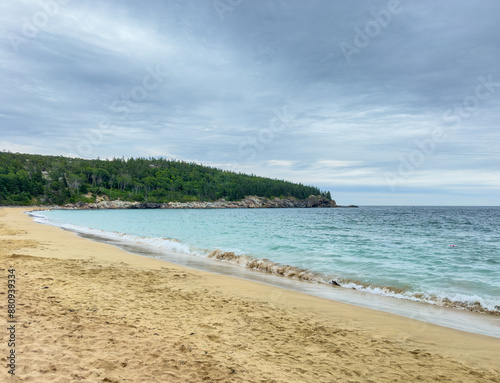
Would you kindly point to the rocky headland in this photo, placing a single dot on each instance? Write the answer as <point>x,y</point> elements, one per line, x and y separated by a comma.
<point>248,202</point>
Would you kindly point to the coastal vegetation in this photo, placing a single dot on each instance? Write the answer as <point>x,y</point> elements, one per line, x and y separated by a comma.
<point>27,179</point>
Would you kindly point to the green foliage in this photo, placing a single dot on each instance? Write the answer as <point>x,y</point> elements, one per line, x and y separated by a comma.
<point>34,179</point>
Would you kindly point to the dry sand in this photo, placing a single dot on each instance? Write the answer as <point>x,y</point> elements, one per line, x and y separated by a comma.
<point>89,312</point>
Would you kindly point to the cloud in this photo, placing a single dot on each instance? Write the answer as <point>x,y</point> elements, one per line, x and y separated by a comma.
<point>280,163</point>
<point>337,164</point>
<point>266,89</point>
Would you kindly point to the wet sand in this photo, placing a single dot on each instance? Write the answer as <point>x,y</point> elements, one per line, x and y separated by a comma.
<point>90,312</point>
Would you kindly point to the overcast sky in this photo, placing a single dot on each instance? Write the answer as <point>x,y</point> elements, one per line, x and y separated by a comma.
<point>379,102</point>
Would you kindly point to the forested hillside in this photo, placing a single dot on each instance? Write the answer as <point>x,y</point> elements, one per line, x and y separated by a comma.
<point>27,179</point>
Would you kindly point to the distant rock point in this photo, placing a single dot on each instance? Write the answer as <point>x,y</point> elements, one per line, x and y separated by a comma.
<point>248,202</point>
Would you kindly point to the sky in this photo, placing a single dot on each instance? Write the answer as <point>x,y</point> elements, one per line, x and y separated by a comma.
<point>379,102</point>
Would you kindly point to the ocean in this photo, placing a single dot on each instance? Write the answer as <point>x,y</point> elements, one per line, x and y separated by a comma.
<point>442,256</point>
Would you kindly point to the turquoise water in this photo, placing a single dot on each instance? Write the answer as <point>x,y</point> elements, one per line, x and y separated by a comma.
<point>403,252</point>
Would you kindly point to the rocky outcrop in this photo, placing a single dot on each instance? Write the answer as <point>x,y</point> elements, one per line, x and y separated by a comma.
<point>248,202</point>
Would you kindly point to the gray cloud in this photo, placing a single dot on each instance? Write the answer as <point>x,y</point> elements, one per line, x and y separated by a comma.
<point>265,88</point>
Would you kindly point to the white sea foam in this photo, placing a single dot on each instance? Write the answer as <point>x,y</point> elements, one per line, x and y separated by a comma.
<point>39,217</point>
<point>167,244</point>
<point>460,301</point>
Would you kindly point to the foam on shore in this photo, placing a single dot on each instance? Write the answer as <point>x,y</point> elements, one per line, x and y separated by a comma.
<point>465,302</point>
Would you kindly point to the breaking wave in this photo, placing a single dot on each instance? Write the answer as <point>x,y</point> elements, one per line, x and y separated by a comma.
<point>457,301</point>
<point>168,244</point>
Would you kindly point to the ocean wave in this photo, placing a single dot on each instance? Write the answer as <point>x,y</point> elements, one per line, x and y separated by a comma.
<point>168,244</point>
<point>267,266</point>
<point>38,217</point>
<point>457,301</point>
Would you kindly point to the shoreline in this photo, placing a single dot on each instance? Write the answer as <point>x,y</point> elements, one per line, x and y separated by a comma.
<point>433,306</point>
<point>477,322</point>
<point>223,328</point>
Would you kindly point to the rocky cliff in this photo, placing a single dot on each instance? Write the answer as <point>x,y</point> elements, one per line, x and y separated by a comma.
<point>248,202</point>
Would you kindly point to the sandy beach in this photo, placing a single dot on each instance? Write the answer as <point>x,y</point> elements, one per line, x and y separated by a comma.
<point>90,312</point>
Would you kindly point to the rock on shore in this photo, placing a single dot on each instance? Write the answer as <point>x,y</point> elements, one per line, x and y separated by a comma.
<point>248,202</point>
